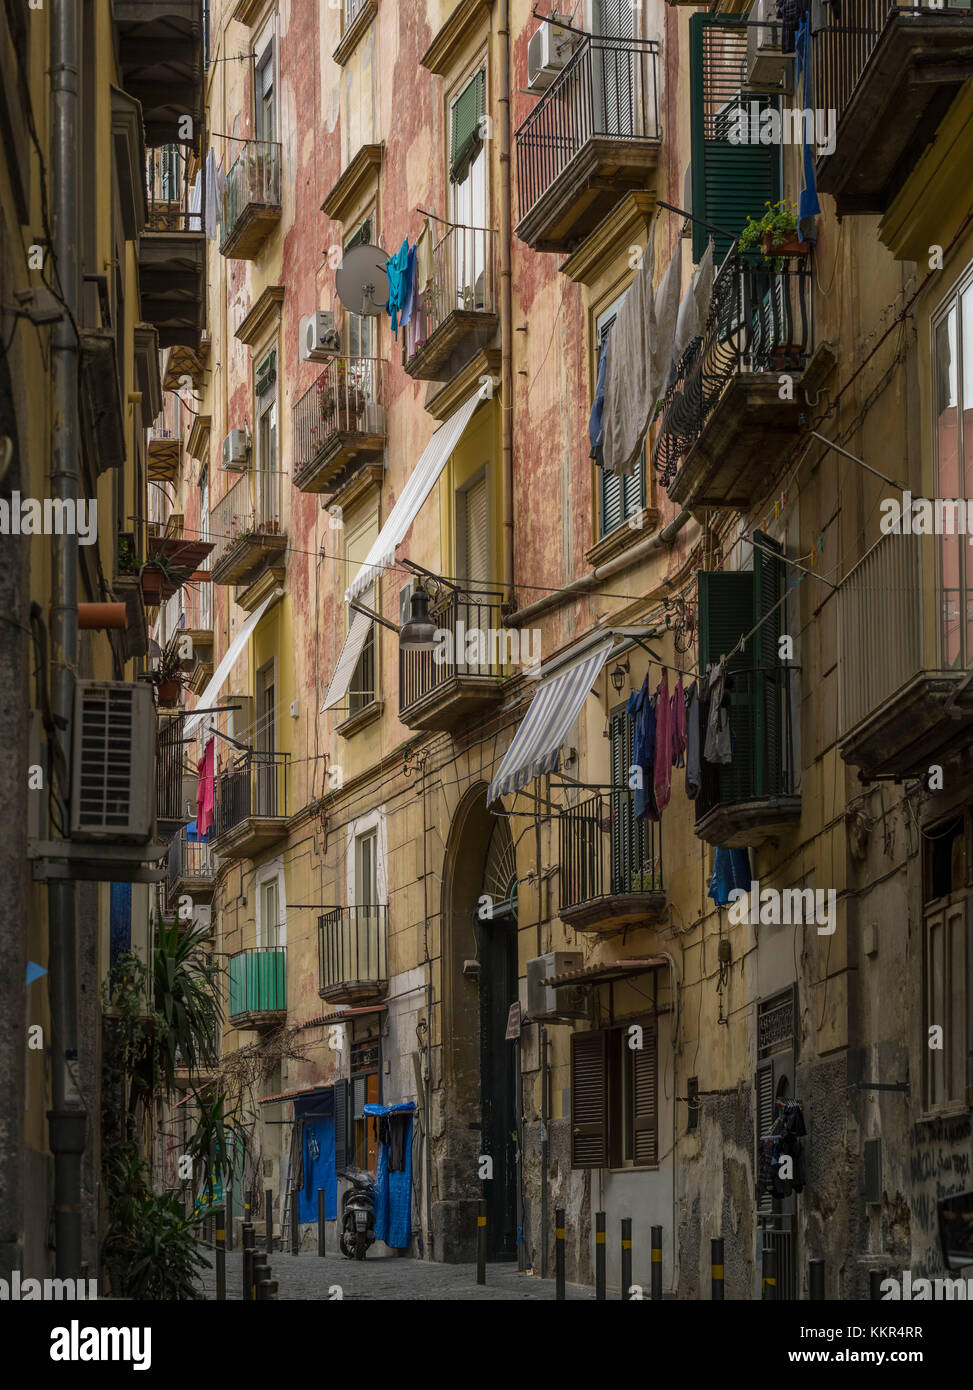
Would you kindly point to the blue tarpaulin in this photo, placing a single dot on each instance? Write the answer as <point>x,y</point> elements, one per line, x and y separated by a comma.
<point>393,1191</point>
<point>317,1138</point>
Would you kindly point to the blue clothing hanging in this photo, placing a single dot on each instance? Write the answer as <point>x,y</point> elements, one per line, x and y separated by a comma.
<point>808,206</point>
<point>393,1190</point>
<point>397,270</point>
<point>731,869</point>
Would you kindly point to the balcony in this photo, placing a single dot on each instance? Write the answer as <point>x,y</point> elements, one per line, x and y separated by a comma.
<point>190,867</point>
<point>160,52</point>
<point>753,798</point>
<point>174,781</point>
<point>724,426</point>
<point>901,707</point>
<point>258,987</point>
<point>591,139</point>
<point>163,455</point>
<point>339,425</point>
<point>247,527</point>
<point>251,805</point>
<point>611,864</point>
<point>353,954</point>
<point>457,312</point>
<point>172,249</point>
<point>251,202</point>
<point>891,73</point>
<point>462,676</point>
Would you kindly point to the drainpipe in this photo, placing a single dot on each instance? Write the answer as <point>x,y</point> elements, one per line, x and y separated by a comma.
<point>427,1088</point>
<point>506,306</point>
<point>588,581</point>
<point>67,1117</point>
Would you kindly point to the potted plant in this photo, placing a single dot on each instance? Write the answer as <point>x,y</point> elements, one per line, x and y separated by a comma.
<point>775,233</point>
<point>151,578</point>
<point>644,881</point>
<point>167,678</point>
<point>340,396</point>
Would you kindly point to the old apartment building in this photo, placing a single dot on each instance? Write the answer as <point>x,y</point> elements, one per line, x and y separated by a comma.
<point>606,451</point>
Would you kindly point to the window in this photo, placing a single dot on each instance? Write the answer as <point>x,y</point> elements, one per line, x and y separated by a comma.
<point>473,532</point>
<point>366,869</point>
<point>619,497</point>
<point>467,262</point>
<point>359,329</point>
<point>265,742</point>
<point>267,476</point>
<point>730,181</point>
<point>265,113</point>
<point>953,368</point>
<point>269,913</point>
<point>363,688</point>
<point>615,1098</point>
<point>947,922</point>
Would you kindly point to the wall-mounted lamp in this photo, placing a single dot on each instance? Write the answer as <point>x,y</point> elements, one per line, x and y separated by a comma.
<point>617,675</point>
<point>419,633</point>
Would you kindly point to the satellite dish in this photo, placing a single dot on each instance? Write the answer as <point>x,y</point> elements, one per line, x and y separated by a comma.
<point>361,281</point>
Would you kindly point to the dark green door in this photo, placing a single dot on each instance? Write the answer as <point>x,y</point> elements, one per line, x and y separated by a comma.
<point>498,1081</point>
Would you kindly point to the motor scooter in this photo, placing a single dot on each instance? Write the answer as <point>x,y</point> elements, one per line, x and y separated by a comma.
<point>357,1213</point>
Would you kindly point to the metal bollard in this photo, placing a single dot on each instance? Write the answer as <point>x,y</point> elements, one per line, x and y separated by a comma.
<point>875,1277</point>
<point>269,1215</point>
<point>481,1210</point>
<point>321,1197</point>
<point>248,1251</point>
<point>258,1263</point>
<point>626,1257</point>
<point>221,1256</point>
<point>815,1279</point>
<point>229,1216</point>
<point>769,1272</point>
<point>295,1229</point>
<point>600,1252</point>
<point>716,1259</point>
<point>559,1253</point>
<point>262,1280</point>
<point>656,1285</point>
<point>270,1290</point>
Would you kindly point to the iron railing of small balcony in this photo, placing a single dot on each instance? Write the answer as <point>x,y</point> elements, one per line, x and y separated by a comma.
<point>464,280</point>
<point>169,769</point>
<point>606,850</point>
<point>347,398</point>
<point>763,765</point>
<point>253,181</point>
<point>175,201</point>
<point>255,785</point>
<point>252,507</point>
<point>608,90</point>
<point>188,859</point>
<point>257,979</point>
<point>353,946</point>
<point>197,604</point>
<point>474,642</point>
<point>759,321</point>
<point>842,49</point>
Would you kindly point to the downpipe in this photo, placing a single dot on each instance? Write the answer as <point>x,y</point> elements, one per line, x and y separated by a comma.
<point>66,1118</point>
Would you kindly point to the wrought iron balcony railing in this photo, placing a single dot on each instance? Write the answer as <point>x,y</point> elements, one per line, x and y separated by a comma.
<point>607,852</point>
<point>346,400</point>
<point>764,762</point>
<point>189,859</point>
<point>255,786</point>
<point>463,284</point>
<point>759,321</point>
<point>257,980</point>
<point>251,200</point>
<point>474,643</point>
<point>174,205</point>
<point>170,801</point>
<point>353,950</point>
<point>253,508</point>
<point>607,91</point>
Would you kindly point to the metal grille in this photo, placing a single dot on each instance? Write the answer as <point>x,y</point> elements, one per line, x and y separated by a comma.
<point>353,946</point>
<point>104,796</point>
<point>775,1026</point>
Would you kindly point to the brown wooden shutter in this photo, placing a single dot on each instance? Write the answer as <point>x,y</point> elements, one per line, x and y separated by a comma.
<point>589,1100</point>
<point>764,1086</point>
<point>645,1097</point>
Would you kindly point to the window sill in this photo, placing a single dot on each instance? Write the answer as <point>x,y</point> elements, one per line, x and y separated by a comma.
<point>350,38</point>
<point>954,1110</point>
<point>623,537</point>
<point>361,719</point>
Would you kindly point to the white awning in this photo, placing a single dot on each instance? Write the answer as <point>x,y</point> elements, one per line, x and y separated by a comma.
<point>347,660</point>
<point>547,723</point>
<point>417,489</point>
<point>233,651</point>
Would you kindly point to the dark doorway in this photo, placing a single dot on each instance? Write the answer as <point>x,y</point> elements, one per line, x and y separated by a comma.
<point>498,1079</point>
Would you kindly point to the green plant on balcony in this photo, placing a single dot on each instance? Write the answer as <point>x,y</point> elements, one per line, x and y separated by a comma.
<point>126,559</point>
<point>775,233</point>
<point>645,881</point>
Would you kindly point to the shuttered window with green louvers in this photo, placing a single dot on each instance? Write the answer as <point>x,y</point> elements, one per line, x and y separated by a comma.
<point>627,833</point>
<point>621,497</point>
<point>361,237</point>
<point>731,181</point>
<point>465,133</point>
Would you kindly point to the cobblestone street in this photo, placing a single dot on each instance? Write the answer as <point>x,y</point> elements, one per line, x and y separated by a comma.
<point>308,1276</point>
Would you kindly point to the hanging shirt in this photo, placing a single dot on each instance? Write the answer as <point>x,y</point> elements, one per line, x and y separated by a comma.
<point>405,314</point>
<point>642,715</point>
<point>731,869</point>
<point>206,789</point>
<point>693,770</point>
<point>425,269</point>
<point>596,420</point>
<point>662,776</point>
<point>396,268</point>
<point>718,747</point>
<point>678,724</point>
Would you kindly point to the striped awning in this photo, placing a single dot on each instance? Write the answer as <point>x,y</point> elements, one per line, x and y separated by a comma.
<point>547,723</point>
<point>351,650</point>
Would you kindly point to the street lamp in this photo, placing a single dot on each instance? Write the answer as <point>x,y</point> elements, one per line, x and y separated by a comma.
<point>419,633</point>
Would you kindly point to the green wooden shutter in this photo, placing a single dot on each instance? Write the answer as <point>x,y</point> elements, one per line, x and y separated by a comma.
<point>612,501</point>
<point>731,182</point>
<point>768,587</point>
<point>361,237</point>
<point>465,126</point>
<point>645,1097</point>
<point>589,1100</point>
<point>726,615</point>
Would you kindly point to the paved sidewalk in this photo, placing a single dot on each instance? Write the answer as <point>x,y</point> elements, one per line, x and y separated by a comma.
<point>309,1276</point>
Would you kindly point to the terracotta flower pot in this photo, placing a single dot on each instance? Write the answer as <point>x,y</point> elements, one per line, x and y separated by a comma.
<point>167,693</point>
<point>786,246</point>
<point>152,586</point>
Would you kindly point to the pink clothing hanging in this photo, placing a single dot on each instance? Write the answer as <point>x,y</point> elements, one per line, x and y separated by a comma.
<point>206,789</point>
<point>678,723</point>
<point>663,744</point>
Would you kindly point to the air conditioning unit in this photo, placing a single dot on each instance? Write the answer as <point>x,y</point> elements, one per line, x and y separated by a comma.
<point>236,451</point>
<point>548,50</point>
<point>544,1002</point>
<point>768,70</point>
<point>113,762</point>
<point>318,338</point>
<point>203,916</point>
<point>241,720</point>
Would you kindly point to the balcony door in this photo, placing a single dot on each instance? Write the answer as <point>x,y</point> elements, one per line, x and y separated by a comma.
<point>366,905</point>
<point>473,567</point>
<point>265,741</point>
<point>612,72</point>
<point>270,914</point>
<point>267,519</point>
<point>466,244</point>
